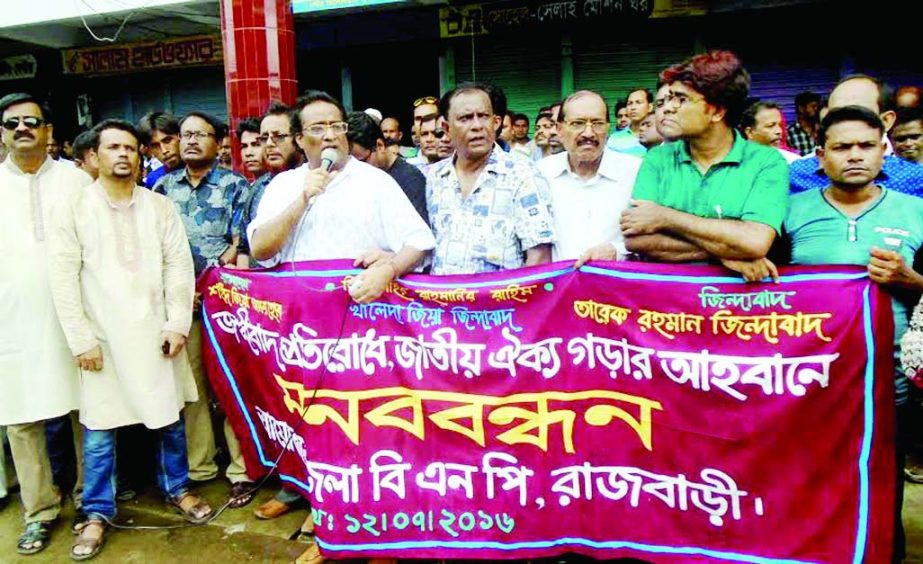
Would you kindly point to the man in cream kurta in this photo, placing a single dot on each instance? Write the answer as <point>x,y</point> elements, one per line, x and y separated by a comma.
<point>122,279</point>
<point>38,377</point>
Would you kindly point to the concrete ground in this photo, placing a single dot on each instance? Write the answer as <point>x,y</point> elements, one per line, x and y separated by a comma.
<point>237,536</point>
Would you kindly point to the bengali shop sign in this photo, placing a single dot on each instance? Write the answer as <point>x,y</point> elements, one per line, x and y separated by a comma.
<point>672,414</point>
<point>198,50</point>
<point>488,17</point>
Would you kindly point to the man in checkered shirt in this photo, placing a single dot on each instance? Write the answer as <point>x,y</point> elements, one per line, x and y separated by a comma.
<point>801,131</point>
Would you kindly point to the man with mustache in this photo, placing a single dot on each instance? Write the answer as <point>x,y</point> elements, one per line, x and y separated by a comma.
<point>590,186</point>
<point>710,195</point>
<point>856,220</point>
<point>38,377</point>
<point>489,210</point>
<point>160,132</point>
<point>762,123</point>
<point>211,202</point>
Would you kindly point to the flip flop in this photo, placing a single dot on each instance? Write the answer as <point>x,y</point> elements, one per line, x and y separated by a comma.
<point>38,531</point>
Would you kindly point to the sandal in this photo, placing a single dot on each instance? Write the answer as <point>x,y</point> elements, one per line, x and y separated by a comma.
<point>272,509</point>
<point>199,513</point>
<point>242,493</point>
<point>36,532</point>
<point>84,540</point>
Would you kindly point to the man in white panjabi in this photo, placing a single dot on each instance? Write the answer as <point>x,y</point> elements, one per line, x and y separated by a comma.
<point>122,279</point>
<point>38,377</point>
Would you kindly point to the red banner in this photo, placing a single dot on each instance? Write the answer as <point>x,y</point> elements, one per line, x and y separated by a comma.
<point>672,414</point>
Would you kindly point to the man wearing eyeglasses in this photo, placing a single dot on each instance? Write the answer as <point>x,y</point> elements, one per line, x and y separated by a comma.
<point>590,186</point>
<point>432,138</point>
<point>711,195</point>
<point>489,210</point>
<point>280,154</point>
<point>38,378</point>
<point>353,210</point>
<point>210,200</point>
<point>667,130</point>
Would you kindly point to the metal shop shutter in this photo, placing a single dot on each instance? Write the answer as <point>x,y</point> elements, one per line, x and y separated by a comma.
<point>202,90</point>
<point>780,83</point>
<point>528,71</point>
<point>613,68</point>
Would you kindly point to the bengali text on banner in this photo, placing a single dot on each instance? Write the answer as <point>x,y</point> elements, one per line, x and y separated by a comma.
<point>667,413</point>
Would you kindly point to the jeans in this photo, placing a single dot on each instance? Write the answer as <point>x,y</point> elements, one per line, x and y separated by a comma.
<point>99,467</point>
<point>288,495</point>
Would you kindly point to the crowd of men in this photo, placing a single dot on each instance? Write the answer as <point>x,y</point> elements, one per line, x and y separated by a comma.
<point>694,172</point>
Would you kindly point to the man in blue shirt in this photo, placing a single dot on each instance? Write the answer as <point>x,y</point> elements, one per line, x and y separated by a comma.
<point>868,92</point>
<point>854,220</point>
<point>211,202</point>
<point>160,132</point>
<point>638,105</point>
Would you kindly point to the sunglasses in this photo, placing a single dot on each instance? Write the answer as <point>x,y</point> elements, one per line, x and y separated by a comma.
<point>425,100</point>
<point>31,122</point>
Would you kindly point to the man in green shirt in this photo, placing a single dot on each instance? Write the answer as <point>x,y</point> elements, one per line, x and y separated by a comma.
<point>710,195</point>
<point>856,221</point>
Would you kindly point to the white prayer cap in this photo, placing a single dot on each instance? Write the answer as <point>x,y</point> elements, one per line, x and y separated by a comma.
<point>374,114</point>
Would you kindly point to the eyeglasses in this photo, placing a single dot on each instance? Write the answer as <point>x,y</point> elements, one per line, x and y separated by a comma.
<point>31,122</point>
<point>680,99</point>
<point>545,126</point>
<point>578,125</point>
<point>197,135</point>
<point>276,137</point>
<point>425,100</point>
<point>319,129</point>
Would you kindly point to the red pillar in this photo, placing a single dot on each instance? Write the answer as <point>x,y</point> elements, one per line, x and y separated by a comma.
<point>259,58</point>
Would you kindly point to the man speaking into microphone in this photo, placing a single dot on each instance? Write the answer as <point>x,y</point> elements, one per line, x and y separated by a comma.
<point>335,206</point>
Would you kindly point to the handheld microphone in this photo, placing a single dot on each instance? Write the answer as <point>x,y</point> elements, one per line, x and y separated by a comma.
<point>327,157</point>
